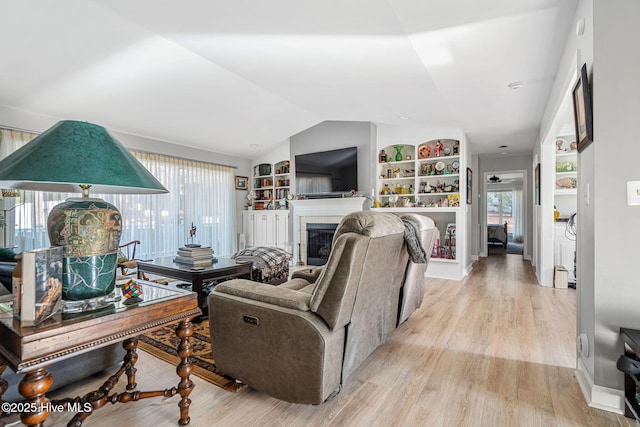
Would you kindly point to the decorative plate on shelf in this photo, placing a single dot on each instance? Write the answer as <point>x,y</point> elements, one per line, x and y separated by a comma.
<point>456,165</point>
<point>440,166</point>
<point>424,151</point>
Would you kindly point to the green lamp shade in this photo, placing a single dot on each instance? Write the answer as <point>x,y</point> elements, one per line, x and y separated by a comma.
<point>69,157</point>
<point>72,153</point>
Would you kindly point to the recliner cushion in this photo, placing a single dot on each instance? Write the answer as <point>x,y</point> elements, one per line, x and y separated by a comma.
<point>370,224</point>
<point>276,295</point>
<point>338,283</point>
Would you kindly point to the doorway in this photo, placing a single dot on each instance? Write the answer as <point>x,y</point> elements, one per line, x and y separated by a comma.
<point>505,212</point>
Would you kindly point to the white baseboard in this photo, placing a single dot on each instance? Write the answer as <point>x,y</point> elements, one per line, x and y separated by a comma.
<point>607,399</point>
<point>467,270</point>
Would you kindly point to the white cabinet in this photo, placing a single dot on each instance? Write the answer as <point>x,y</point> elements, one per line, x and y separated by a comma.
<point>282,230</point>
<point>266,228</point>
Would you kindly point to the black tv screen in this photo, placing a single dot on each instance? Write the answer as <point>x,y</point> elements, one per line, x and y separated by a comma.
<point>334,171</point>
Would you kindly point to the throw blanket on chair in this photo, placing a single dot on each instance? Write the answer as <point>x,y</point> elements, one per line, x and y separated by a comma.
<point>269,264</point>
<point>414,247</point>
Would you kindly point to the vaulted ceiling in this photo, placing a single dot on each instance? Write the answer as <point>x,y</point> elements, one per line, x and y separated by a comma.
<point>223,75</point>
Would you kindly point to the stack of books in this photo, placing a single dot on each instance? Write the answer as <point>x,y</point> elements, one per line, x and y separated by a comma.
<point>195,256</point>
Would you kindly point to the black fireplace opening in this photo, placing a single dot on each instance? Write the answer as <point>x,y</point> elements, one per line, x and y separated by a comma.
<point>319,238</point>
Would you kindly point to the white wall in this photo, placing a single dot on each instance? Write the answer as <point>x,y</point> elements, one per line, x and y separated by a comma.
<point>608,230</point>
<point>615,154</point>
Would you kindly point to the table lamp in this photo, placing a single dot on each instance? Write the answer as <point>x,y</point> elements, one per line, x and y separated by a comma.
<point>74,156</point>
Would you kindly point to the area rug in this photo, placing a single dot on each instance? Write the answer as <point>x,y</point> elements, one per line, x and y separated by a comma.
<point>162,344</point>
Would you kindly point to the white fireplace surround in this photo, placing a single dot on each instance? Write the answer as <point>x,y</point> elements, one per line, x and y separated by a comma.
<point>317,211</point>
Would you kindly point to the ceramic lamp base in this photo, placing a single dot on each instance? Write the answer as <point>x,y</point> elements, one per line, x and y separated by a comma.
<point>89,277</point>
<point>89,230</point>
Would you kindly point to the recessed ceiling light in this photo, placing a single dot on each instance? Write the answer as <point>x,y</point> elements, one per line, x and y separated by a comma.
<point>515,85</point>
<point>254,145</point>
<point>404,117</point>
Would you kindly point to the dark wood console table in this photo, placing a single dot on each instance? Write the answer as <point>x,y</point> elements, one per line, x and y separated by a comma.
<point>223,268</point>
<point>631,339</point>
<point>30,350</point>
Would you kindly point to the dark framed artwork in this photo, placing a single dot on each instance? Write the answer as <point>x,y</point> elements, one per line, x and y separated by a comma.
<point>536,181</point>
<point>469,185</point>
<point>241,182</point>
<point>582,111</point>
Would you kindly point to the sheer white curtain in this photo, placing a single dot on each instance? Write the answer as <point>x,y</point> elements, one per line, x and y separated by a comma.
<point>11,207</point>
<point>518,213</point>
<point>200,193</point>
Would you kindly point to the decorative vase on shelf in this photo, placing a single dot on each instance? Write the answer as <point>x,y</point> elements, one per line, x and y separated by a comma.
<point>398,152</point>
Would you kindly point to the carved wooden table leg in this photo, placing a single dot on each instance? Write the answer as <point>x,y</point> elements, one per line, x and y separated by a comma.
<point>130,360</point>
<point>185,386</point>
<point>33,387</point>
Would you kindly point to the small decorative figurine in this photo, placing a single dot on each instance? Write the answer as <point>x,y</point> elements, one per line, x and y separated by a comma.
<point>438,148</point>
<point>383,156</point>
<point>192,232</point>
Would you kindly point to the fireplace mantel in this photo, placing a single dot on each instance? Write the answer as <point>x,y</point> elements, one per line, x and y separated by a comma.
<point>312,211</point>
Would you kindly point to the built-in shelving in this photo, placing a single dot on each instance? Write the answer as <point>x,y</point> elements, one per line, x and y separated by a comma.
<point>426,181</point>
<point>271,182</point>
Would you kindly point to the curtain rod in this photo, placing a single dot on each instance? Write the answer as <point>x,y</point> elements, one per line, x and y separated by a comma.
<point>133,149</point>
<point>184,158</point>
<point>18,129</point>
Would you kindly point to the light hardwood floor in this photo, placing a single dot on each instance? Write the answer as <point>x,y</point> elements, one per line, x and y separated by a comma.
<point>492,350</point>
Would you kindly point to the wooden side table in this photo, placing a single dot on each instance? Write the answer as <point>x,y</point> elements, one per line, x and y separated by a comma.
<point>30,350</point>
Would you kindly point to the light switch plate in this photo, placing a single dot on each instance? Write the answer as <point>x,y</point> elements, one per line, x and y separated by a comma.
<point>633,193</point>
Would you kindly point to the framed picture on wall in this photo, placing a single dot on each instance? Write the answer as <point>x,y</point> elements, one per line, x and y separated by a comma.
<point>469,185</point>
<point>582,112</point>
<point>536,181</point>
<point>241,182</point>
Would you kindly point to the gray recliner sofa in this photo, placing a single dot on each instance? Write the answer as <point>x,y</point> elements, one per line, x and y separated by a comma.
<point>302,340</point>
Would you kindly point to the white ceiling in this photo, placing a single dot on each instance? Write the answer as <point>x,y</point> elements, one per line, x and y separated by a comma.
<point>222,75</point>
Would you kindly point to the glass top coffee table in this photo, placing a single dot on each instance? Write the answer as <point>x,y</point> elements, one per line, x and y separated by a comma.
<point>223,268</point>
<point>30,350</point>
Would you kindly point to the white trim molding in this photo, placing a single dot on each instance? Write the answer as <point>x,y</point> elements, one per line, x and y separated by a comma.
<point>607,399</point>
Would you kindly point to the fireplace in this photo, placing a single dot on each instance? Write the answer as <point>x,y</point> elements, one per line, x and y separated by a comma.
<point>319,238</point>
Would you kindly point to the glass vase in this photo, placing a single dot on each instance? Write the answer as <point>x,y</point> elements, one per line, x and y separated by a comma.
<point>398,152</point>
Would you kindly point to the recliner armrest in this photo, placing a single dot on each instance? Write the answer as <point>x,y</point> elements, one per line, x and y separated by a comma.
<point>262,292</point>
<point>309,274</point>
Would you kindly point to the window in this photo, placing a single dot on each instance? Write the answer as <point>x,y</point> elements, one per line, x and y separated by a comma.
<point>499,208</point>
<point>200,193</point>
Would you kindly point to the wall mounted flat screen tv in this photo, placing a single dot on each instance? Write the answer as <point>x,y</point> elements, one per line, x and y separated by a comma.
<point>327,172</point>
